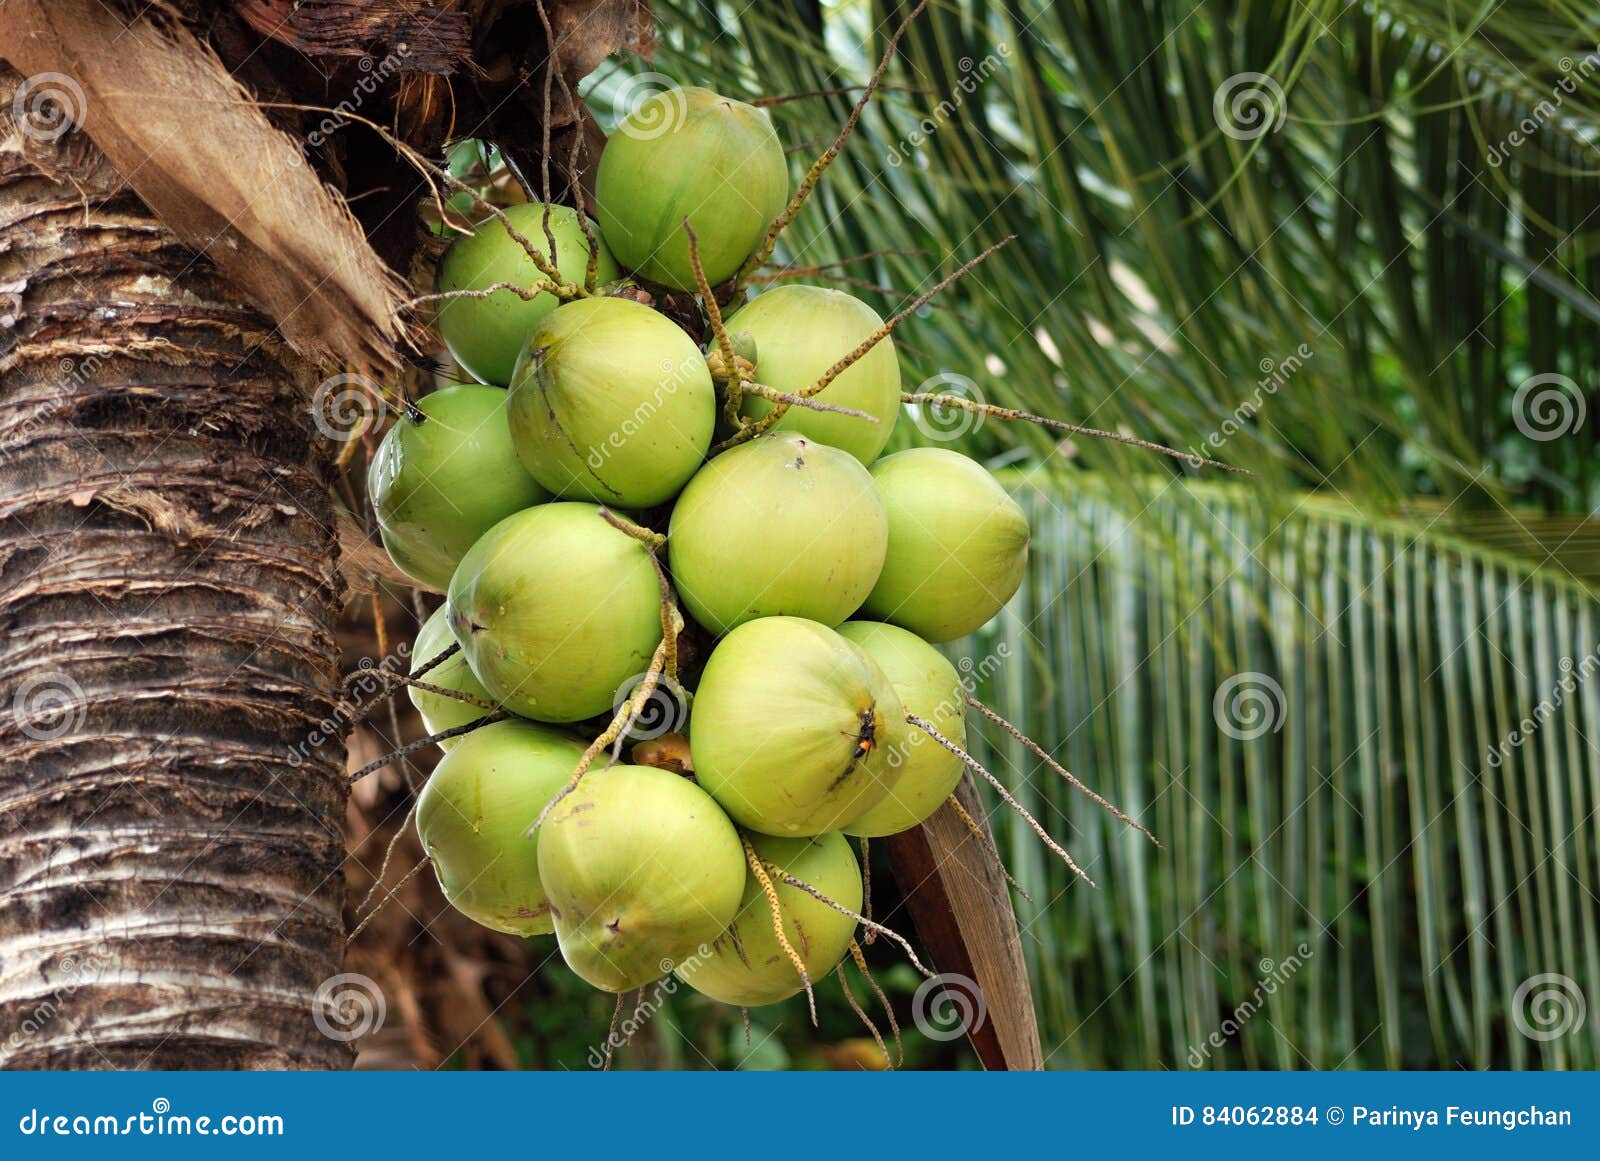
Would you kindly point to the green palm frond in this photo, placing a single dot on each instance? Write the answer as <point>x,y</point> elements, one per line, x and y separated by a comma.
<point>1179,245</point>
<point>1368,753</point>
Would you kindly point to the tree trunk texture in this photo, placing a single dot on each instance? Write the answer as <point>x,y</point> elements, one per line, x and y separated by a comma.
<point>170,863</point>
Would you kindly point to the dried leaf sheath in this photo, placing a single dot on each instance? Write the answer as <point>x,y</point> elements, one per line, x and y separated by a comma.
<point>170,872</point>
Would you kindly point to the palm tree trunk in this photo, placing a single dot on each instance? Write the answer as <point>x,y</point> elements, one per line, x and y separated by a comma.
<point>171,770</point>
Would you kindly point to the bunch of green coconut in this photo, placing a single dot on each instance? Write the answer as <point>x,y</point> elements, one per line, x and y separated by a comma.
<point>624,482</point>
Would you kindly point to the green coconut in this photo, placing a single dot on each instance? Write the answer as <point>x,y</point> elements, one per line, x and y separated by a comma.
<point>444,475</point>
<point>611,402</point>
<point>801,331</point>
<point>747,965</point>
<point>440,713</point>
<point>689,153</point>
<point>487,334</point>
<point>555,610</point>
<point>642,869</point>
<point>473,815</point>
<point>793,726</point>
<point>928,686</point>
<point>958,544</point>
<point>779,525</point>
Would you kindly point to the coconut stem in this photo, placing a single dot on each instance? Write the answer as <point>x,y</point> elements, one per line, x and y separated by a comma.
<point>977,767</point>
<point>713,308</point>
<point>820,166</point>
<point>888,1008</point>
<point>413,747</point>
<point>389,894</point>
<point>1059,768</point>
<point>790,399</point>
<point>438,659</point>
<point>433,174</point>
<point>402,679</point>
<point>638,531</point>
<point>866,886</point>
<point>671,620</point>
<point>873,925</point>
<point>776,907</point>
<point>620,722</point>
<point>611,1031</point>
<point>592,270</point>
<point>986,840</point>
<point>751,430</point>
<point>976,407</point>
<point>383,871</point>
<point>731,367</point>
<point>861,1014</point>
<point>526,293</point>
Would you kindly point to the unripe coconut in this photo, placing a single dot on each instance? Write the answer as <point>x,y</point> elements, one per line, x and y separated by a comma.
<point>473,815</point>
<point>747,965</point>
<point>444,475</point>
<point>487,334</point>
<point>612,402</point>
<point>440,713</point>
<point>642,868</point>
<point>791,728</point>
<point>801,331</point>
<point>779,525</point>
<point>928,686</point>
<point>555,609</point>
<point>689,153</point>
<point>958,544</point>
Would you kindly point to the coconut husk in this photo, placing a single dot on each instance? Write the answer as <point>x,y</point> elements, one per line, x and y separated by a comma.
<point>201,154</point>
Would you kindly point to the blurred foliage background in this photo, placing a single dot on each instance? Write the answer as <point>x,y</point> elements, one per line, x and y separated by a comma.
<point>1352,249</point>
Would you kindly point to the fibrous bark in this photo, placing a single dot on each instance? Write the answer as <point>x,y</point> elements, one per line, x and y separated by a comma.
<point>170,868</point>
